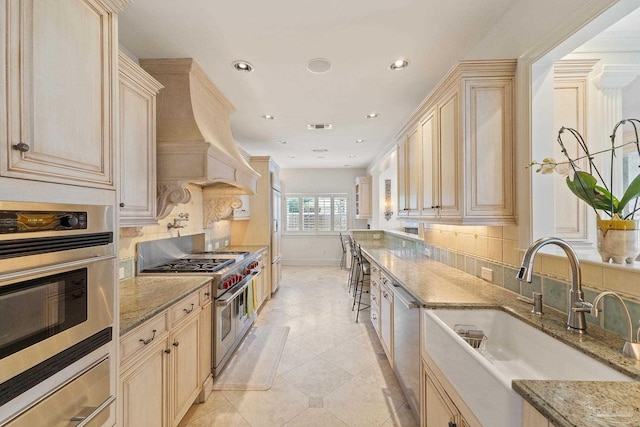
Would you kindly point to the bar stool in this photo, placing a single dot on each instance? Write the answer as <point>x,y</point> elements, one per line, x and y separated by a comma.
<point>363,281</point>
<point>353,265</point>
<point>343,259</point>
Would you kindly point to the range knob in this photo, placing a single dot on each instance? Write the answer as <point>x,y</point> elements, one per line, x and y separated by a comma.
<point>68,221</point>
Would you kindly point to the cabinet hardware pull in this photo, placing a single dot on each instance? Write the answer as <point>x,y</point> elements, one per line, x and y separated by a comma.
<point>175,344</point>
<point>145,342</point>
<point>168,350</point>
<point>21,146</point>
<point>206,294</point>
<point>452,424</point>
<point>122,205</point>
<point>190,310</point>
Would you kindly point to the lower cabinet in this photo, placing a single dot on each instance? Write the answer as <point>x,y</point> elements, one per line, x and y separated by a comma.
<point>386,321</point>
<point>164,364</point>
<point>441,404</point>
<point>184,381</point>
<point>532,418</point>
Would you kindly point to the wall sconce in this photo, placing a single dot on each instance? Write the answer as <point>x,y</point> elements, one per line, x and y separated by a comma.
<point>388,206</point>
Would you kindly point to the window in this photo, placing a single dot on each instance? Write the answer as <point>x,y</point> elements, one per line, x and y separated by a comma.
<point>323,213</point>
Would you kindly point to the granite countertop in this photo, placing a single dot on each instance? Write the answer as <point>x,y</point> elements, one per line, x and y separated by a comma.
<point>142,297</point>
<point>437,285</point>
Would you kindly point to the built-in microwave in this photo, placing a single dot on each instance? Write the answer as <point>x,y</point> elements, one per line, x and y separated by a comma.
<point>57,283</point>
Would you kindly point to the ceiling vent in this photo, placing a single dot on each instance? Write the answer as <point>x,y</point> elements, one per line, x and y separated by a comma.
<point>319,126</point>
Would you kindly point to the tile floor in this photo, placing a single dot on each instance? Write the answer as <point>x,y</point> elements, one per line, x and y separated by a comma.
<point>333,371</point>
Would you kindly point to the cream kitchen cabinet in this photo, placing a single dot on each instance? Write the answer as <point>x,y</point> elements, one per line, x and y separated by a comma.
<point>58,72</point>
<point>161,367</point>
<point>408,173</point>
<point>441,404</point>
<point>532,418</point>
<point>386,318</point>
<point>137,130</point>
<point>363,197</point>
<point>205,344</point>
<point>456,158</point>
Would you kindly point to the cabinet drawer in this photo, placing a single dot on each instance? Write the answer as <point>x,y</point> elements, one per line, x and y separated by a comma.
<point>183,308</point>
<point>142,336</point>
<point>375,320</point>
<point>375,295</point>
<point>205,295</point>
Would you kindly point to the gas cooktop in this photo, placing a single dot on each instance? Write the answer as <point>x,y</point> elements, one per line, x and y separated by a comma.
<point>191,265</point>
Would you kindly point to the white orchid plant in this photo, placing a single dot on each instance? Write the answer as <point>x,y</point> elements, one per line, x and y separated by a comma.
<point>590,186</point>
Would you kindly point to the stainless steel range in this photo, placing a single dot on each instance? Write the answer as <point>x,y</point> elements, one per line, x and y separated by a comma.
<point>231,273</point>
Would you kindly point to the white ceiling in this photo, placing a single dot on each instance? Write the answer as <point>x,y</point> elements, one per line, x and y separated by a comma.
<point>360,38</point>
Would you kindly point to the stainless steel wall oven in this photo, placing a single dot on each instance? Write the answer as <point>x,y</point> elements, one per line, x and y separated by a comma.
<point>57,279</point>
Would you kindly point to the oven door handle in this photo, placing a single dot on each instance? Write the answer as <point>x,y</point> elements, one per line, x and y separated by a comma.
<point>225,302</point>
<point>84,420</point>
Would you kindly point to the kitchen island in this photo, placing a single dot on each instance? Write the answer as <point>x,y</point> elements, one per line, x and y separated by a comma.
<point>436,285</point>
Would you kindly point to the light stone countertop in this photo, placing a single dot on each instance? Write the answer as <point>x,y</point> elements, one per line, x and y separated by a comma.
<point>437,285</point>
<point>142,297</point>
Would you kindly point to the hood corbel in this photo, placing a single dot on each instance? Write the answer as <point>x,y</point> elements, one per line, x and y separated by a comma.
<point>170,195</point>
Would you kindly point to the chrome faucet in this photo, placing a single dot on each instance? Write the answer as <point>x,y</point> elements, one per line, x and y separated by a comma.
<point>631,347</point>
<point>177,221</point>
<point>575,318</point>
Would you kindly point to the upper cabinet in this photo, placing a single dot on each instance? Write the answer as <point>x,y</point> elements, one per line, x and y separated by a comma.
<point>57,87</point>
<point>137,96</point>
<point>408,152</point>
<point>456,154</point>
<point>363,197</point>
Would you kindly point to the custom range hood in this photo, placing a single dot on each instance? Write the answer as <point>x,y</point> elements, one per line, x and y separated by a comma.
<point>194,141</point>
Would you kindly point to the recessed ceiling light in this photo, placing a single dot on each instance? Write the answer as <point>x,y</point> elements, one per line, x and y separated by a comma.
<point>399,64</point>
<point>291,157</point>
<point>319,65</point>
<point>347,166</point>
<point>268,117</point>
<point>321,157</point>
<point>372,115</point>
<point>319,150</point>
<point>351,156</point>
<point>282,141</point>
<point>243,66</point>
<point>359,141</point>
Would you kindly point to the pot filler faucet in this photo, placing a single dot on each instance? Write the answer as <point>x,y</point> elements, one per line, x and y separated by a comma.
<point>575,319</point>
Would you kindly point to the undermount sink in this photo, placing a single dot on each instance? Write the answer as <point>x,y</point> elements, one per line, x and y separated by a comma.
<point>512,350</point>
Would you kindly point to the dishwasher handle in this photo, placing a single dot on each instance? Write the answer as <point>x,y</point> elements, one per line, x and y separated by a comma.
<point>404,297</point>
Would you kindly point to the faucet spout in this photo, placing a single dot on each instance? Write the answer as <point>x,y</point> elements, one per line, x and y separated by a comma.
<point>575,319</point>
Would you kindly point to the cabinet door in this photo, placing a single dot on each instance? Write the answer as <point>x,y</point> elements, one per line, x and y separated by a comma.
<point>59,99</point>
<point>489,148</point>
<point>137,95</point>
<point>403,191</point>
<point>430,166</point>
<point>205,344</point>
<point>386,321</point>
<point>449,171</point>
<point>439,411</point>
<point>143,386</point>
<point>184,378</point>
<point>413,171</point>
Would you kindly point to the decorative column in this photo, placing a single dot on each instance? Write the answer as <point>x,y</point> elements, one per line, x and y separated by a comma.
<point>611,81</point>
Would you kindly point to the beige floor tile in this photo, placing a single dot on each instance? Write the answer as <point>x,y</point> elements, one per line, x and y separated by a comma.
<point>350,356</point>
<point>293,356</point>
<point>358,403</point>
<point>403,417</point>
<point>316,377</point>
<point>315,417</point>
<point>274,407</point>
<point>315,383</point>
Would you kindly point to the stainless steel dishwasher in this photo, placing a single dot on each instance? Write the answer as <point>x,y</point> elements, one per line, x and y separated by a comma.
<point>406,345</point>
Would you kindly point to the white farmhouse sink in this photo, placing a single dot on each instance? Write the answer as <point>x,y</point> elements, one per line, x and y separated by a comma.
<point>513,350</point>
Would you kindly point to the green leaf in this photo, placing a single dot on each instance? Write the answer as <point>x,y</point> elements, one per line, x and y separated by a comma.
<point>584,185</point>
<point>633,191</point>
